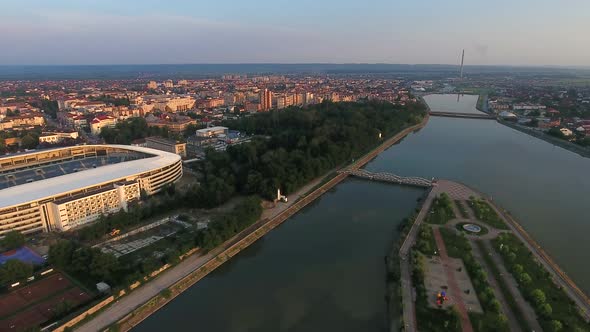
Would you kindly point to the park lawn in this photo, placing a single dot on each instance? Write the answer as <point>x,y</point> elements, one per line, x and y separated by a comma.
<point>492,318</point>
<point>425,242</point>
<point>441,210</point>
<point>503,287</point>
<point>484,212</point>
<point>462,209</point>
<point>430,319</point>
<point>520,261</point>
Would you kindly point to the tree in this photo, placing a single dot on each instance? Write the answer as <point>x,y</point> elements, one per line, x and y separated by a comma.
<point>60,254</point>
<point>14,270</point>
<point>524,278</point>
<point>29,142</point>
<point>495,305</point>
<point>511,256</point>
<point>538,297</point>
<point>13,240</point>
<point>556,326</point>
<point>546,310</point>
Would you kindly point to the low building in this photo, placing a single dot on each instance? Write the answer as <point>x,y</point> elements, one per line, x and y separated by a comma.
<point>24,121</point>
<point>57,137</point>
<point>566,132</point>
<point>167,145</point>
<point>102,121</point>
<point>212,131</point>
<point>176,124</point>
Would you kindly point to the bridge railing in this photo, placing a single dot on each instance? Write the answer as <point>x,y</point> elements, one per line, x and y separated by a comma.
<point>389,177</point>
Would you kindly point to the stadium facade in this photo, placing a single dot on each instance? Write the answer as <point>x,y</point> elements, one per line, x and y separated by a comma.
<point>59,189</point>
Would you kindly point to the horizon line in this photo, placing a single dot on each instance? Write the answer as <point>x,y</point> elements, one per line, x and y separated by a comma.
<point>298,63</point>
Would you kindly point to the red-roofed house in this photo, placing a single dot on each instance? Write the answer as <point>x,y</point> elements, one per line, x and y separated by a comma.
<point>102,121</point>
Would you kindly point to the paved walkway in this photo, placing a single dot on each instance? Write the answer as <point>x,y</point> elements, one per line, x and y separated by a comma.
<point>455,291</point>
<point>408,305</point>
<point>523,305</point>
<point>512,319</point>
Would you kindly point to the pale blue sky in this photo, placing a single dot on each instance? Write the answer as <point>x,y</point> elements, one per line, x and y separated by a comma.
<point>512,32</point>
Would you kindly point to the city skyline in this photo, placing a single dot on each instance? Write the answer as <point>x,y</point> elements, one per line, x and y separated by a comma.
<point>182,32</point>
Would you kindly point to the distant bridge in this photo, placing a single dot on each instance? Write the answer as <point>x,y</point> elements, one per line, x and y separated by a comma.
<point>464,115</point>
<point>389,177</point>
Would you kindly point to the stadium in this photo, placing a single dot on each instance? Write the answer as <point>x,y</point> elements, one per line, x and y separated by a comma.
<point>59,189</point>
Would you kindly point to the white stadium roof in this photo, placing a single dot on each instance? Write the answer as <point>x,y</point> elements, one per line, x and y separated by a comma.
<point>38,190</point>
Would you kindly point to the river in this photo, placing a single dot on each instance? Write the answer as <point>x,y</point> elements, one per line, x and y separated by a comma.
<point>323,269</point>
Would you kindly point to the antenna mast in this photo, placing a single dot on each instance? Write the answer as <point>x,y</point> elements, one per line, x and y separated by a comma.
<point>462,58</point>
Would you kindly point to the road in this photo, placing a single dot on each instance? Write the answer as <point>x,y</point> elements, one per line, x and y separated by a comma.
<point>137,297</point>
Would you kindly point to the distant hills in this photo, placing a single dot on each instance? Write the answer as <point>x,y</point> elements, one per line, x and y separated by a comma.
<point>189,71</point>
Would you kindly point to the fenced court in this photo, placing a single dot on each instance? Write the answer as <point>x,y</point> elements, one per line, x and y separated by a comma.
<point>39,302</point>
<point>23,254</point>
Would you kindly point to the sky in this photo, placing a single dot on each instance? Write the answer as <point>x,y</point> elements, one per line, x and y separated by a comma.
<point>492,32</point>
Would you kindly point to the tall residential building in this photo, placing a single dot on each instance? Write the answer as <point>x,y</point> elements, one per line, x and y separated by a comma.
<point>265,100</point>
<point>152,85</point>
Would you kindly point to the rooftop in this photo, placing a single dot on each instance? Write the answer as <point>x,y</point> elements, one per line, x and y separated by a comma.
<point>62,184</point>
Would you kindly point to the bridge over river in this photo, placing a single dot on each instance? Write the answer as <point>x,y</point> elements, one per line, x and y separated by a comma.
<point>389,177</point>
<point>464,115</point>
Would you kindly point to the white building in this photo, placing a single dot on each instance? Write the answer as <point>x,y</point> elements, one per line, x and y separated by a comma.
<point>212,131</point>
<point>58,189</point>
<point>100,122</point>
<point>57,137</point>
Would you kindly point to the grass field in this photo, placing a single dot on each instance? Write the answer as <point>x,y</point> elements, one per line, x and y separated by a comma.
<point>462,209</point>
<point>484,213</point>
<point>441,210</point>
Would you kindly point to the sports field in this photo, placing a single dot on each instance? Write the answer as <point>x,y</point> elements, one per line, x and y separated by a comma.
<point>23,254</point>
<point>39,302</point>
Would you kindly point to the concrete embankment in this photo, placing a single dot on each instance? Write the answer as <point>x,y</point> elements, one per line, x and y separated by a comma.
<point>582,151</point>
<point>144,310</point>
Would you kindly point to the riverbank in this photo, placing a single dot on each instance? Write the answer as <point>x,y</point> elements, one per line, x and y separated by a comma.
<point>394,296</point>
<point>146,300</point>
<point>580,150</point>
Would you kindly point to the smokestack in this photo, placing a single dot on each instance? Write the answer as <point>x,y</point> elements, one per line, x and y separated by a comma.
<point>462,58</point>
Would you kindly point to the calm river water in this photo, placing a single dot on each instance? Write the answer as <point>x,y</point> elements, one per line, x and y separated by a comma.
<point>323,270</point>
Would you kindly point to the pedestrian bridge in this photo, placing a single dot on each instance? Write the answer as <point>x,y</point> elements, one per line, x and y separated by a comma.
<point>389,177</point>
<point>464,115</point>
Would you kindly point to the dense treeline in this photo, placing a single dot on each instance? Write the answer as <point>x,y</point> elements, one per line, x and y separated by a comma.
<point>50,107</point>
<point>112,100</point>
<point>301,144</point>
<point>91,266</point>
<point>127,131</point>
